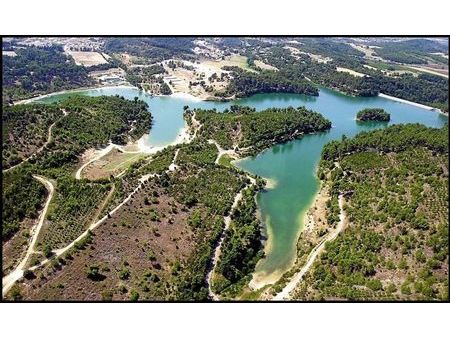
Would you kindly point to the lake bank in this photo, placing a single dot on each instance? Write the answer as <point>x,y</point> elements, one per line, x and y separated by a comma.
<point>419,105</point>
<point>292,165</point>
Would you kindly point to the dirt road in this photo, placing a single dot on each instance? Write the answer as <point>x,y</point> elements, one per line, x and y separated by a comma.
<point>284,294</point>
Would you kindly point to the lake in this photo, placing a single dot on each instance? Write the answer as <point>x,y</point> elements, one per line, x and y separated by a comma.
<point>291,165</point>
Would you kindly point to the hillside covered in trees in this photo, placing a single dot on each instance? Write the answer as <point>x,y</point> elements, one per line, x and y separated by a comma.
<point>395,242</point>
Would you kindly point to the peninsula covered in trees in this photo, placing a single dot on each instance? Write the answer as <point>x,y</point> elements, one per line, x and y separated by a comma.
<point>248,131</point>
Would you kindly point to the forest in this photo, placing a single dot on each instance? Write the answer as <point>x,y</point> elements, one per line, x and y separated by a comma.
<point>245,83</point>
<point>397,205</point>
<point>412,51</point>
<point>153,49</point>
<point>252,131</point>
<point>427,89</point>
<point>22,197</point>
<point>373,114</point>
<point>36,71</point>
<point>242,247</point>
<point>90,122</point>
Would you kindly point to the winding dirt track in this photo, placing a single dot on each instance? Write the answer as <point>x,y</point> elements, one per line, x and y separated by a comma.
<point>284,294</point>
<point>15,275</point>
<point>49,138</point>
<point>9,280</point>
<point>218,248</point>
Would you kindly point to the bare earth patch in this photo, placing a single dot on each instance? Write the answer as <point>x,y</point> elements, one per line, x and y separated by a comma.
<point>350,71</point>
<point>112,163</point>
<point>135,251</point>
<point>87,58</point>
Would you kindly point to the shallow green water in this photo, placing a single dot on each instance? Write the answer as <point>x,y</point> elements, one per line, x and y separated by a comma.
<point>291,165</point>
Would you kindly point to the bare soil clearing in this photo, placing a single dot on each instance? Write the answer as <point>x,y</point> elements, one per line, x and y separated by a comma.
<point>87,58</point>
<point>133,250</point>
<point>350,71</point>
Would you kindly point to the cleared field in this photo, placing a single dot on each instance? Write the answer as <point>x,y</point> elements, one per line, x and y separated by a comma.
<point>430,70</point>
<point>350,71</point>
<point>111,164</point>
<point>231,61</point>
<point>316,57</point>
<point>263,65</point>
<point>87,58</point>
<point>188,77</point>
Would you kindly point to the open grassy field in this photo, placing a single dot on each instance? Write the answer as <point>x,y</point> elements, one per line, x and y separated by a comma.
<point>112,163</point>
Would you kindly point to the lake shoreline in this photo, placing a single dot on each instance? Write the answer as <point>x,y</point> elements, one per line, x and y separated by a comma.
<point>415,104</point>
<point>269,243</point>
<point>68,91</point>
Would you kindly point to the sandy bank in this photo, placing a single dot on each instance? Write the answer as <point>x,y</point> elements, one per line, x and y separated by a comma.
<point>419,105</point>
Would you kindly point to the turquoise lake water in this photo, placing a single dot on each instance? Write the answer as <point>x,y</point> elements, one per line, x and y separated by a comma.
<point>292,165</point>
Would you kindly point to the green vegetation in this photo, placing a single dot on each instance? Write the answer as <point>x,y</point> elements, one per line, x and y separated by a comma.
<point>396,183</point>
<point>137,76</point>
<point>427,89</point>
<point>245,83</point>
<point>208,191</point>
<point>226,160</point>
<point>393,139</point>
<point>152,49</point>
<point>213,187</point>
<point>72,209</point>
<point>36,71</point>
<point>412,51</point>
<point>373,114</point>
<point>92,122</point>
<point>241,248</point>
<point>25,130</point>
<point>243,127</point>
<point>197,153</point>
<point>22,197</point>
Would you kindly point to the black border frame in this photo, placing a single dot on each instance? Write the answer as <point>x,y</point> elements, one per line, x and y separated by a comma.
<point>2,300</point>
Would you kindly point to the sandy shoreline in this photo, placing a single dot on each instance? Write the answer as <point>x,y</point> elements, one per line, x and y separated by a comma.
<point>185,96</point>
<point>183,136</point>
<point>419,105</point>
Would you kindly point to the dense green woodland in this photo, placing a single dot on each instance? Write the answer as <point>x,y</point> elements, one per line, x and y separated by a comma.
<point>252,131</point>
<point>245,83</point>
<point>93,122</point>
<point>393,139</point>
<point>22,197</point>
<point>396,243</point>
<point>153,49</point>
<point>201,185</point>
<point>137,76</point>
<point>36,71</point>
<point>373,114</point>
